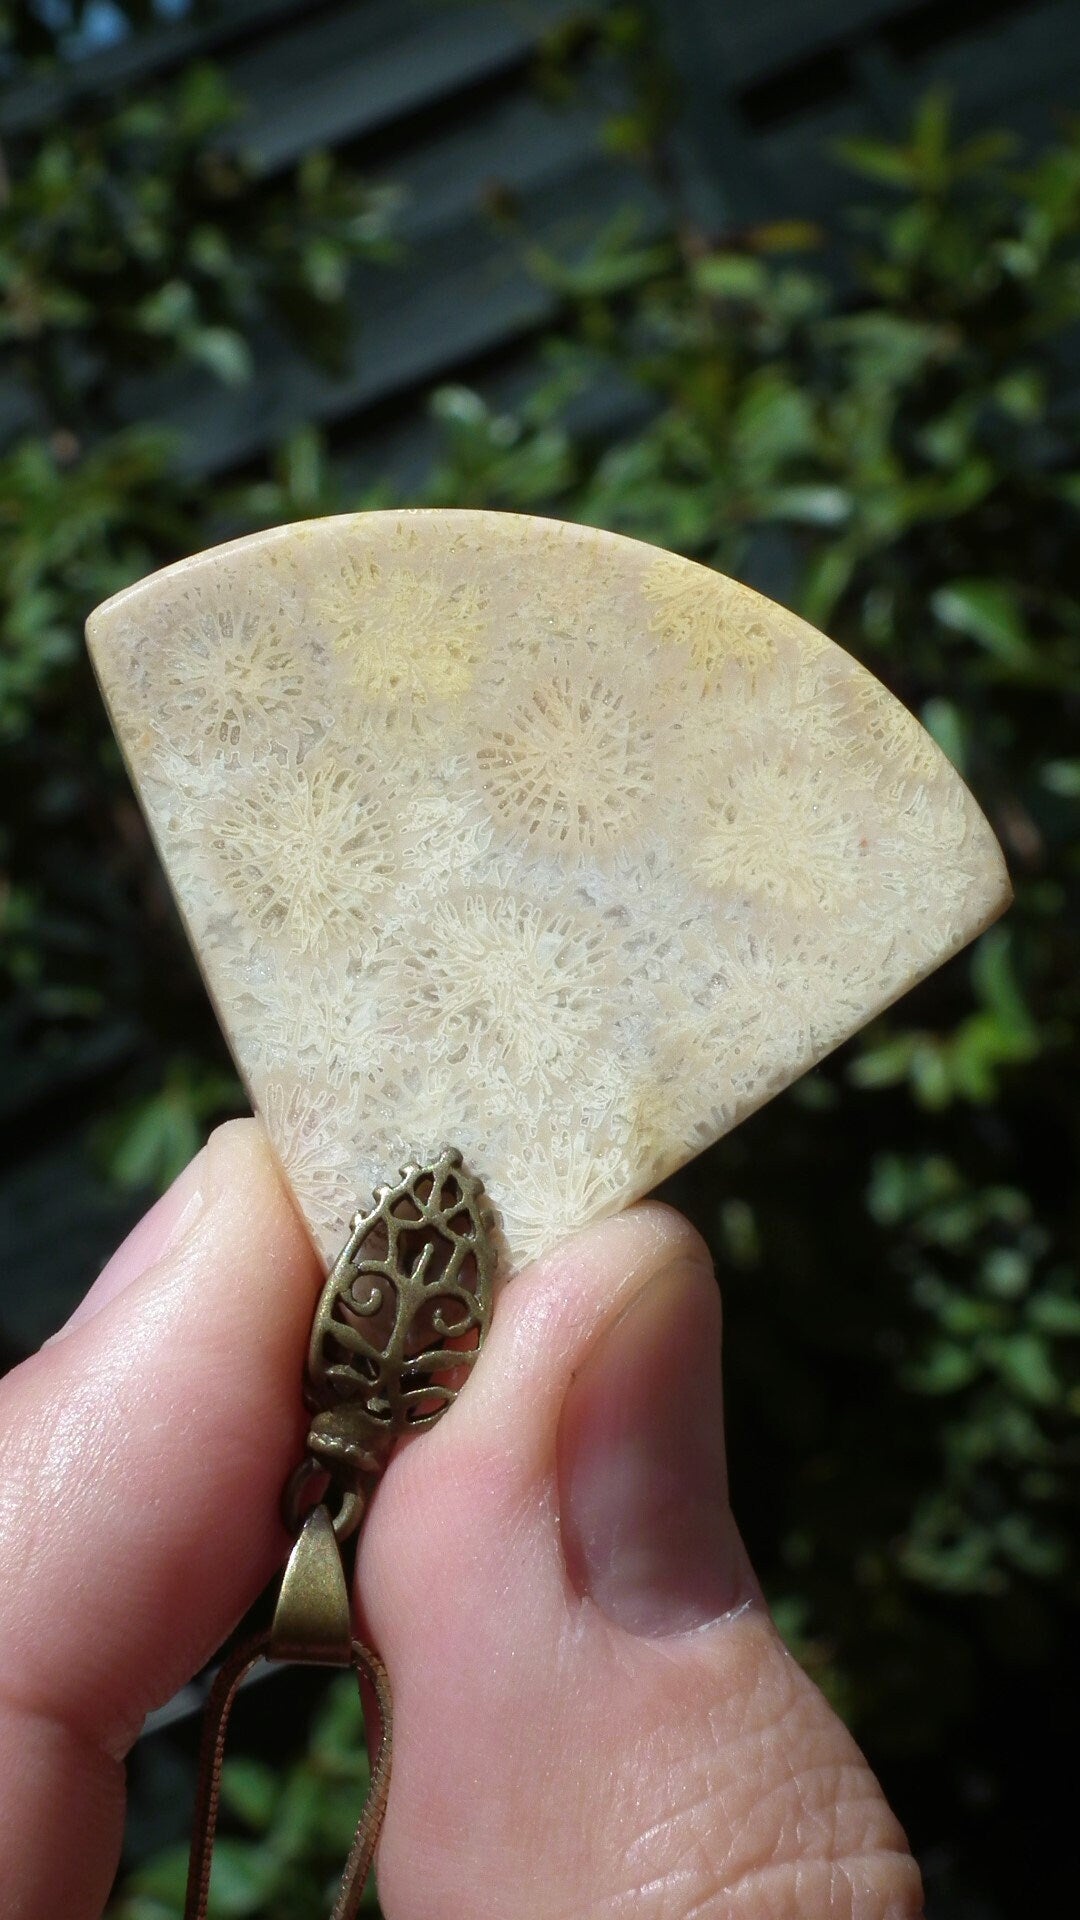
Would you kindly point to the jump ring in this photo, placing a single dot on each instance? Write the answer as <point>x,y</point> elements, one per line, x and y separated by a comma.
<point>294,1511</point>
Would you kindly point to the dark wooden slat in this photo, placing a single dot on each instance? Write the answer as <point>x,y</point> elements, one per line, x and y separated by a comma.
<point>718,174</point>
<point>993,73</point>
<point>511,144</point>
<point>353,72</point>
<point>737,44</point>
<point>321,75</point>
<point>805,179</point>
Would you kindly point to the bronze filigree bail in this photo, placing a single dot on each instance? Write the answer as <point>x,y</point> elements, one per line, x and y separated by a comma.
<point>398,1325</point>
<point>400,1320</point>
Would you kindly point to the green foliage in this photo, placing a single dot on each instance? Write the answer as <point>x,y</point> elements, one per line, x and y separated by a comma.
<point>964,1062</point>
<point>999,1350</point>
<point>295,1828</point>
<point>140,239</point>
<point>72,525</point>
<point>879,428</point>
<point>147,1142</point>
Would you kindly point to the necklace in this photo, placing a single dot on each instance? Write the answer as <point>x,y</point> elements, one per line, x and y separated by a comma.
<point>527,860</point>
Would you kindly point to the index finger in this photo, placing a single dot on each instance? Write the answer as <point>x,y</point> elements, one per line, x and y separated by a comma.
<point>141,1462</point>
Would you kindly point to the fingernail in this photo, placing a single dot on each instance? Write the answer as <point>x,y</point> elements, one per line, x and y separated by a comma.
<point>647,1529</point>
<point>157,1234</point>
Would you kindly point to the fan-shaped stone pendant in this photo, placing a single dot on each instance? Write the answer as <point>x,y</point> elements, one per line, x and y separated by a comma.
<point>525,837</point>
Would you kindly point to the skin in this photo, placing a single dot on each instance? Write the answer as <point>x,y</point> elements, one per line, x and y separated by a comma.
<point>594,1713</point>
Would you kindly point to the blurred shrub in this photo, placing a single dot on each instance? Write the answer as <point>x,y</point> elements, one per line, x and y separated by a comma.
<point>878,425</point>
<point>141,239</point>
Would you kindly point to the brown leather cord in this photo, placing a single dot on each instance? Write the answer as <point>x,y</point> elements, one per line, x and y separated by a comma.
<point>227,1684</point>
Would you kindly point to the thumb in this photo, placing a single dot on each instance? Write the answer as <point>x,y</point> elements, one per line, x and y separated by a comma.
<point>593,1709</point>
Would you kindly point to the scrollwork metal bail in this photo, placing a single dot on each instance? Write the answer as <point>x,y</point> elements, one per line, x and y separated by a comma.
<point>403,1312</point>
<point>398,1326</point>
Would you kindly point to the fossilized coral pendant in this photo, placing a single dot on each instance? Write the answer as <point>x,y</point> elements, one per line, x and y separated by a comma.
<point>526,837</point>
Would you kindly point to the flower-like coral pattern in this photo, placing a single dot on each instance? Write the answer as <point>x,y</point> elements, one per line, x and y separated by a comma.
<point>528,839</point>
<point>567,1176</point>
<point>510,987</point>
<point>710,620</point>
<point>783,829</point>
<point>408,636</point>
<point>303,853</point>
<point>571,766</point>
<point>321,1170</point>
<point>226,678</point>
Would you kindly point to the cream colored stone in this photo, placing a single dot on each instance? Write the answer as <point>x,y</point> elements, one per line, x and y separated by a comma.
<point>525,838</point>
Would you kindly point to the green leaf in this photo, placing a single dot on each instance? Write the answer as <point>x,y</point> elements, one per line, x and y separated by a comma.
<point>169,310</point>
<point>613,263</point>
<point>148,1142</point>
<point>772,424</point>
<point>890,347</point>
<point>730,276</point>
<point>995,981</point>
<point>930,137</point>
<point>885,1062</point>
<point>930,1078</point>
<point>224,351</point>
<point>988,611</point>
<point>153,1144</point>
<point>877,160</point>
<point>1023,1361</point>
<point>164,1879</point>
<point>742,1240</point>
<point>339,1727</point>
<point>326,268</point>
<point>902,1185</point>
<point>251,1790</point>
<point>1006,1272</point>
<point>1021,393</point>
<point>245,1875</point>
<point>810,506</point>
<point>1063,778</point>
<point>945,724</point>
<point>947,1368</point>
<point>825,581</point>
<point>1055,1314</point>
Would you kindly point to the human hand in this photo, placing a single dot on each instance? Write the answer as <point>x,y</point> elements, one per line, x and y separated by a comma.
<point>593,1711</point>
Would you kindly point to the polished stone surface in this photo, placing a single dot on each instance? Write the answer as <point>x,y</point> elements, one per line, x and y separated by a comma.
<point>526,838</point>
